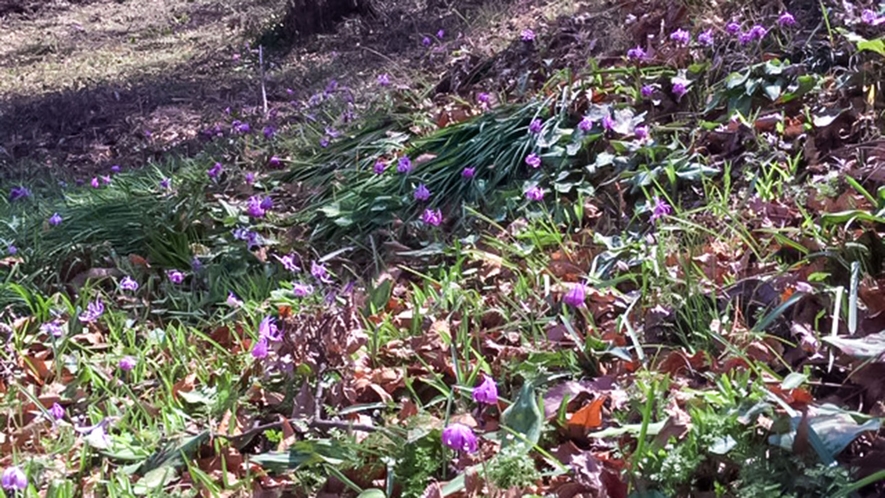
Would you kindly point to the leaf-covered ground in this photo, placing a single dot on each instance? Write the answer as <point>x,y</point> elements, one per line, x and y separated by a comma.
<point>606,251</point>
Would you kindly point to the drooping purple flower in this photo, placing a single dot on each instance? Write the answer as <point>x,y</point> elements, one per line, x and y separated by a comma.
<point>533,160</point>
<point>705,38</point>
<point>586,124</point>
<point>384,79</point>
<point>647,91</point>
<point>379,167</point>
<point>12,250</point>
<point>94,182</point>
<point>486,392</point>
<point>52,328</point>
<point>575,296</point>
<point>679,89</point>
<point>301,290</point>
<point>128,284</point>
<point>268,329</point>
<point>758,32</point>
<point>641,132</point>
<point>274,162</point>
<point>94,310</point>
<point>426,41</point>
<point>535,126</point>
<point>253,208</point>
<point>240,127</point>
<point>18,193</point>
<point>233,301</point>
<point>260,349</point>
<point>636,54</point>
<point>249,178</point>
<point>14,479</point>
<point>267,203</point>
<point>459,437</point>
<point>483,98</point>
<point>431,217</point>
<point>404,165</point>
<point>127,363</point>
<point>527,35</point>
<point>249,236</point>
<point>319,272</point>
<point>681,37</point>
<point>116,168</point>
<point>733,28</point>
<point>175,276</point>
<point>215,171</point>
<point>608,123</point>
<point>660,209</point>
<point>468,173</point>
<point>57,411</point>
<point>324,142</point>
<point>745,38</point>
<point>269,132</point>
<point>422,193</point>
<point>165,183</point>
<point>534,193</point>
<point>869,16</point>
<point>440,34</point>
<point>786,19</point>
<point>288,262</point>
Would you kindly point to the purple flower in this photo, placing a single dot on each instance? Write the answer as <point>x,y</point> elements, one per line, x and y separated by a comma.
<point>758,32</point>
<point>379,167</point>
<point>608,123</point>
<point>679,89</point>
<point>259,349</point>
<point>115,168</point>
<point>432,217</point>
<point>254,209</point>
<point>681,37</point>
<point>641,132</point>
<point>534,193</point>
<point>468,173</point>
<point>165,183</point>
<point>636,54</point>
<point>240,127</point>
<point>18,193</point>
<point>105,179</point>
<point>94,310</point>
<point>52,328</point>
<point>57,411</point>
<point>786,19</point>
<point>535,126</point>
<point>459,437</point>
<point>483,98</point>
<point>288,262</point>
<point>267,203</point>
<point>175,276</point>
<point>426,41</point>
<point>486,392</point>
<point>324,142</point>
<point>14,479</point>
<point>269,132</point>
<point>660,209</point>
<point>331,87</point>
<point>575,296</point>
<point>127,363</point>
<point>527,35</point>
<point>705,38</point>
<point>733,28</point>
<point>215,171</point>
<point>384,79</point>
<point>268,329</point>
<point>196,264</point>
<point>274,162</point>
<point>422,193</point>
<point>586,124</point>
<point>250,178</point>
<point>249,236</point>
<point>404,165</point>
<point>745,38</point>
<point>869,16</point>
<point>301,290</point>
<point>440,34</point>
<point>319,272</point>
<point>533,160</point>
<point>12,250</point>
<point>647,90</point>
<point>233,301</point>
<point>128,284</point>
<point>94,182</point>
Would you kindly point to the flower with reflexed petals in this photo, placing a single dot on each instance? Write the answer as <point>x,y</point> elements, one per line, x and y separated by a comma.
<point>535,193</point>
<point>533,160</point>
<point>468,173</point>
<point>660,209</point>
<point>459,437</point>
<point>404,165</point>
<point>681,36</point>
<point>422,193</point>
<point>128,283</point>
<point>575,296</point>
<point>175,276</point>
<point>432,217</point>
<point>127,363</point>
<point>94,310</point>
<point>57,411</point>
<point>527,35</point>
<point>14,479</point>
<point>55,219</point>
<point>487,392</point>
<point>786,19</point>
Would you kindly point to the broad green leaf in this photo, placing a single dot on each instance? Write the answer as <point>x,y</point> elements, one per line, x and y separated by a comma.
<point>835,428</point>
<point>524,417</point>
<point>794,380</point>
<point>877,45</point>
<point>155,480</point>
<point>372,493</point>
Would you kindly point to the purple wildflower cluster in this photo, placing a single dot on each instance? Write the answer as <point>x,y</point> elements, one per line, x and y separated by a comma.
<point>267,332</point>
